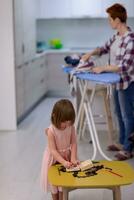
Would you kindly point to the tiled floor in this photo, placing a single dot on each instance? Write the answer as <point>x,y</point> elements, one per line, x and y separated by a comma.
<point>21,153</point>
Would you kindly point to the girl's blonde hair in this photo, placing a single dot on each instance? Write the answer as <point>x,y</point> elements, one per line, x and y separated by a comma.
<point>62,111</point>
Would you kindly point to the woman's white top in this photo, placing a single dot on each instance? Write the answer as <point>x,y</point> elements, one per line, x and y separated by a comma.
<point>113,50</point>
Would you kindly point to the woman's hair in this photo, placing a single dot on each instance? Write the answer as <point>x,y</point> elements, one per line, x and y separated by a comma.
<point>63,110</point>
<point>117,11</point>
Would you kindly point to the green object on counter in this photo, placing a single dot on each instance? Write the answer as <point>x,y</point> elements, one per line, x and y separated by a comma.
<point>55,43</point>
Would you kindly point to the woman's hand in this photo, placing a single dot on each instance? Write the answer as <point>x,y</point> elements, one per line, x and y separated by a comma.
<point>98,70</point>
<point>86,57</point>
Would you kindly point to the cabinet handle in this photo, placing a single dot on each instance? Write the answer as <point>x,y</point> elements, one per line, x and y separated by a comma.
<point>32,60</point>
<point>42,80</point>
<point>26,63</point>
<point>42,65</point>
<point>23,48</point>
<point>46,62</point>
<point>19,66</point>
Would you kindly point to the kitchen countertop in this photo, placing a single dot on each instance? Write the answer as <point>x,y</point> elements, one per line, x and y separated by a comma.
<point>65,50</point>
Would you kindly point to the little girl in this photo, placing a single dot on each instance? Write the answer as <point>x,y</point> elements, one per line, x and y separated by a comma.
<point>62,146</point>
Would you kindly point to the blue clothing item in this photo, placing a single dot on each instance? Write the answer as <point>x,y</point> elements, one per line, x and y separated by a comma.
<point>124,108</point>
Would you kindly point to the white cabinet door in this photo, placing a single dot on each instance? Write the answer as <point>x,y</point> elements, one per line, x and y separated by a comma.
<point>57,79</point>
<point>24,29</point>
<point>35,82</point>
<point>29,34</point>
<point>129,5</point>
<point>31,85</point>
<point>18,32</point>
<point>19,76</point>
<point>40,81</point>
<point>69,8</point>
<point>86,8</point>
<point>54,8</point>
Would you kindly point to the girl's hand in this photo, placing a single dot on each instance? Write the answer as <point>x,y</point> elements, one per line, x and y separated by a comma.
<point>75,162</point>
<point>67,164</point>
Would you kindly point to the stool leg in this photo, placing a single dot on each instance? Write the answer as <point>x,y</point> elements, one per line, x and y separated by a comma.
<point>65,193</point>
<point>109,118</point>
<point>116,193</point>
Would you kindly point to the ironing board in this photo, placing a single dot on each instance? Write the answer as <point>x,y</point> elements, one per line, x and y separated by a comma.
<point>83,79</point>
<point>103,78</point>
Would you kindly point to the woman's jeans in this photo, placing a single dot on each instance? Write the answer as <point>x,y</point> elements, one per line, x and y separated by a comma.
<point>124,108</point>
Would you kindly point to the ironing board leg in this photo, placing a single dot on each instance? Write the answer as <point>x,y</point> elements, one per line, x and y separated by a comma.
<point>80,107</point>
<point>91,131</point>
<point>81,124</point>
<point>91,123</point>
<point>109,118</point>
<point>86,104</point>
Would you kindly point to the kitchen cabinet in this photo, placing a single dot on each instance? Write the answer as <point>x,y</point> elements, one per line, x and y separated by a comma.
<point>29,72</point>
<point>24,30</point>
<point>31,85</point>
<point>79,9</point>
<point>129,5</point>
<point>57,79</point>
<point>35,82</point>
<point>85,8</point>
<point>54,9</point>
<point>69,8</point>
<point>19,77</point>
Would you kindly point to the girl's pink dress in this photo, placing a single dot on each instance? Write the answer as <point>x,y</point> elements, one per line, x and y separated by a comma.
<point>63,140</point>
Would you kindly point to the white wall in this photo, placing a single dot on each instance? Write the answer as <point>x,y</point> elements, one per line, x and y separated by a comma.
<point>7,80</point>
<point>88,32</point>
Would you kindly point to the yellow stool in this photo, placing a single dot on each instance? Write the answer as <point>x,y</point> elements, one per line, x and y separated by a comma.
<point>112,176</point>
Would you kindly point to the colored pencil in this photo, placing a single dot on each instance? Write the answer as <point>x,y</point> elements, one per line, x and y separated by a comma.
<point>114,173</point>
